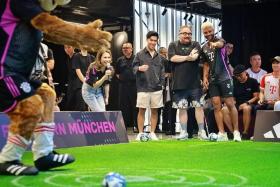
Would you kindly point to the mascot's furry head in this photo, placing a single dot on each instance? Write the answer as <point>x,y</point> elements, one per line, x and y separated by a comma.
<point>50,5</point>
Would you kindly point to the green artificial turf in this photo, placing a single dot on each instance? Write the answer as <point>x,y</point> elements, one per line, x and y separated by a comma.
<point>166,163</point>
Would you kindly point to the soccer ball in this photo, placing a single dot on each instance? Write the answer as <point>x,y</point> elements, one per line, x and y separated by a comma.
<point>113,179</point>
<point>213,137</point>
<point>144,137</point>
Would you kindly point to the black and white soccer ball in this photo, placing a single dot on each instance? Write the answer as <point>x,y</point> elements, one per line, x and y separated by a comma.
<point>144,137</point>
<point>113,179</point>
<point>213,137</point>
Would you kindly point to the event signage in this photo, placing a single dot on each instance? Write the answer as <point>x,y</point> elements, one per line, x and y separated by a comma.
<point>74,129</point>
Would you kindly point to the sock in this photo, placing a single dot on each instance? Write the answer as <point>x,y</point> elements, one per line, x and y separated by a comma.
<point>14,148</point>
<point>43,140</point>
<point>184,127</point>
<point>200,126</point>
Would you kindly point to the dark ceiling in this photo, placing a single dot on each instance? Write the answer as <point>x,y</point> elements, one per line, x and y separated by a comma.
<point>112,12</point>
<point>120,12</point>
<point>210,8</point>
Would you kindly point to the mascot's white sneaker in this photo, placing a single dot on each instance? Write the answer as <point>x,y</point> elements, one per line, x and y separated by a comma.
<point>17,168</point>
<point>53,160</point>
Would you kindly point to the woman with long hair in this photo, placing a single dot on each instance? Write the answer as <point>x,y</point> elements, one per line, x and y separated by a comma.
<point>95,90</point>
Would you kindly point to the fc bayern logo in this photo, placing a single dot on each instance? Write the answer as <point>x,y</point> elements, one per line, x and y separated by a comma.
<point>25,86</point>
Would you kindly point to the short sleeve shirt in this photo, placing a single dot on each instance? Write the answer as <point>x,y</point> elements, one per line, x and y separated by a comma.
<point>243,92</point>
<point>217,60</point>
<point>186,75</point>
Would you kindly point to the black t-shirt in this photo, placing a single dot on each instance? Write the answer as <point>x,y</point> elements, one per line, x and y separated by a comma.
<point>186,74</point>
<point>70,71</point>
<point>125,69</point>
<point>82,63</point>
<point>93,75</point>
<point>243,92</point>
<point>218,61</point>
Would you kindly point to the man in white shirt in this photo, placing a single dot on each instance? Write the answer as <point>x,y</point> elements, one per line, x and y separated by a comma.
<point>255,71</point>
<point>269,86</point>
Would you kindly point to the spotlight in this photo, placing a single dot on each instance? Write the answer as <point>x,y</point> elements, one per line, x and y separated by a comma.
<point>186,16</point>
<point>190,18</point>
<point>205,19</point>
<point>164,11</point>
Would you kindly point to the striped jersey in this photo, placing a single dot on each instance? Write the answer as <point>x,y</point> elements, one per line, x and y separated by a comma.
<point>20,41</point>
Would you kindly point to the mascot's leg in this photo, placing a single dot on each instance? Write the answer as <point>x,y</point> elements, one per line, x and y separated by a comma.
<point>44,156</point>
<point>23,120</point>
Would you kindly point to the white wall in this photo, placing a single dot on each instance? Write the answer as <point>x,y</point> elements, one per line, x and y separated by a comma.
<point>167,26</point>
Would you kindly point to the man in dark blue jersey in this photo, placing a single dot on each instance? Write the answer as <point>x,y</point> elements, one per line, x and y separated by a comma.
<point>219,80</point>
<point>29,104</point>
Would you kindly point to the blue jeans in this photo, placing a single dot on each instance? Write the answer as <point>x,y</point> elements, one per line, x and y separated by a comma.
<point>93,98</point>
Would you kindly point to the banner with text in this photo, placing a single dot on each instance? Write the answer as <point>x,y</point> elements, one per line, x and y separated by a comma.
<point>267,126</point>
<point>73,129</point>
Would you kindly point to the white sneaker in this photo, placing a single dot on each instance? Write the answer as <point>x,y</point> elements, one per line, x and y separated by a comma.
<point>202,135</point>
<point>153,136</point>
<point>236,136</point>
<point>139,136</point>
<point>182,136</point>
<point>222,137</point>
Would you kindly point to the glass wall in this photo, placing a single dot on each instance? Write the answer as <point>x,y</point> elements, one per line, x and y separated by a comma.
<point>148,16</point>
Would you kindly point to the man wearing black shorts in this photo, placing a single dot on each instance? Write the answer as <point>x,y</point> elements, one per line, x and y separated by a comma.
<point>219,80</point>
<point>246,94</point>
<point>186,85</point>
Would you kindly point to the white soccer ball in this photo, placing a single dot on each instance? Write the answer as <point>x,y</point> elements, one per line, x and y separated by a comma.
<point>113,179</point>
<point>213,137</point>
<point>144,137</point>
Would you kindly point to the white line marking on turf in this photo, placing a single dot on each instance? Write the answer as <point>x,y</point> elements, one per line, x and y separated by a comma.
<point>139,179</point>
<point>16,182</point>
<point>170,175</point>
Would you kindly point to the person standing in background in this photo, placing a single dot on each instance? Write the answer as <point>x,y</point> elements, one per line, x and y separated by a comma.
<point>168,113</point>
<point>70,51</point>
<point>229,51</point>
<point>217,78</point>
<point>95,89</point>
<point>187,90</point>
<point>127,86</point>
<point>149,70</point>
<point>80,64</point>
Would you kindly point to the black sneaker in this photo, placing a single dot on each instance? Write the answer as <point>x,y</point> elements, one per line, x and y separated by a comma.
<point>245,136</point>
<point>53,160</point>
<point>16,168</point>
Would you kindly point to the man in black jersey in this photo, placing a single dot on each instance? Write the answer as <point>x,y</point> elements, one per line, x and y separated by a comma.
<point>217,78</point>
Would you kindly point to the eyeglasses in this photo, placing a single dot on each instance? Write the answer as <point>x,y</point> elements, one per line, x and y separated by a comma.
<point>126,48</point>
<point>186,33</point>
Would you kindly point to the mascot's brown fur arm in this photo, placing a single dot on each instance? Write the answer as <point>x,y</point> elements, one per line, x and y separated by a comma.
<point>58,31</point>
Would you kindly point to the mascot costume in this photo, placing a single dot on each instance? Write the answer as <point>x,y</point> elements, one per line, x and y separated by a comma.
<point>29,104</point>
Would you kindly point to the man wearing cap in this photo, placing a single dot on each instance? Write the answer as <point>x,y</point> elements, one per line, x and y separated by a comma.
<point>246,94</point>
<point>269,86</point>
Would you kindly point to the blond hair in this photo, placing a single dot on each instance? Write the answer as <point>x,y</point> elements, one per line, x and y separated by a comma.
<point>206,24</point>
